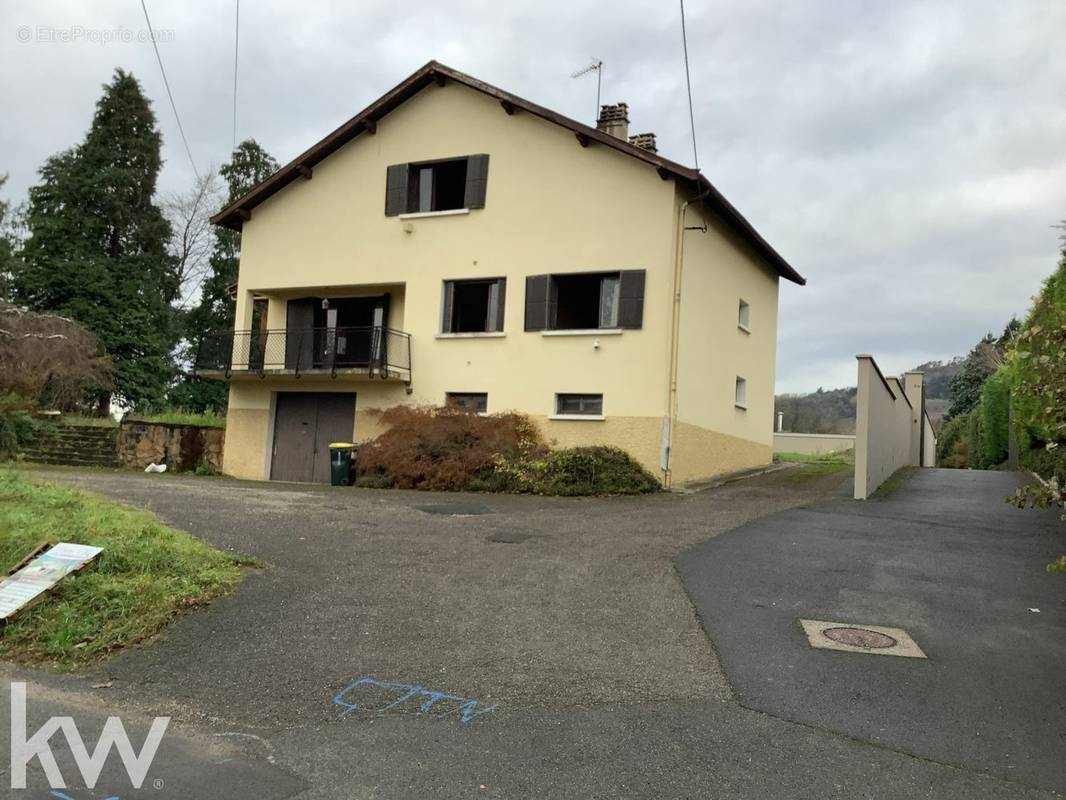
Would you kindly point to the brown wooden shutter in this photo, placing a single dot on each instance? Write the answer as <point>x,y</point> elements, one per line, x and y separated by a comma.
<point>537,302</point>
<point>631,299</point>
<point>396,190</point>
<point>477,176</point>
<point>500,302</point>
<point>449,304</point>
<point>299,336</point>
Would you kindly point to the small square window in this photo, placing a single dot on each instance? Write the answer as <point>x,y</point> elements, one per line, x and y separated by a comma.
<point>579,404</point>
<point>474,402</point>
<point>744,316</point>
<point>742,393</point>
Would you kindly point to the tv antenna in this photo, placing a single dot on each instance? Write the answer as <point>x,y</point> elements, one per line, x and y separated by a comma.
<point>597,67</point>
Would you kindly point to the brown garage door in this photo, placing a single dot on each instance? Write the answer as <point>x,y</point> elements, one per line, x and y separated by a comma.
<point>305,423</point>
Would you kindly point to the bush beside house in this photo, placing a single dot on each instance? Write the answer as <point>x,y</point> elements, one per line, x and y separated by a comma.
<point>449,449</point>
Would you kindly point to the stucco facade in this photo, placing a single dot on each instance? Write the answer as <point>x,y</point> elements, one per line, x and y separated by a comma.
<point>551,206</point>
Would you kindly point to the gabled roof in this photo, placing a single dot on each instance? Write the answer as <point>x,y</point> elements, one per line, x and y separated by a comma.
<point>233,215</point>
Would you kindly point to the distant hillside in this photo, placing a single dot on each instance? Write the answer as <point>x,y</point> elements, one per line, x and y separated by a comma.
<point>833,410</point>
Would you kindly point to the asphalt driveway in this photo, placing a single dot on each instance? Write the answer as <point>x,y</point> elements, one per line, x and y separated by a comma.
<point>945,559</point>
<point>411,644</point>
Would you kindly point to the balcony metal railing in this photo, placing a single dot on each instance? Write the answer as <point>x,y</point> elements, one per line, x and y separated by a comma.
<point>380,351</point>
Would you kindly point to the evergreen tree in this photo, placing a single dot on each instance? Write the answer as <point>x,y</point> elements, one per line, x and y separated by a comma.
<point>7,246</point>
<point>96,250</point>
<point>249,166</point>
<point>986,357</point>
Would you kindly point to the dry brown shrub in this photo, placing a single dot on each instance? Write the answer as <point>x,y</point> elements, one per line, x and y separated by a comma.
<point>427,447</point>
<point>50,360</point>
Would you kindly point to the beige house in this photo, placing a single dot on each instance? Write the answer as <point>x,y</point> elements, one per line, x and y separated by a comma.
<point>456,243</point>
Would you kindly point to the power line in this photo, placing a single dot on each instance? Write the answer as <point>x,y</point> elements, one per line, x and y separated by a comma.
<point>236,43</point>
<point>166,83</point>
<point>688,84</point>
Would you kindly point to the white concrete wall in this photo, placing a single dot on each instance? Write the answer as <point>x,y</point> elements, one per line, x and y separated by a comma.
<point>883,428</point>
<point>810,444</point>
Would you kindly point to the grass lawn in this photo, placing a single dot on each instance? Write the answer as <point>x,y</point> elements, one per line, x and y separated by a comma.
<point>817,465</point>
<point>146,574</point>
<point>179,417</point>
<point>836,457</point>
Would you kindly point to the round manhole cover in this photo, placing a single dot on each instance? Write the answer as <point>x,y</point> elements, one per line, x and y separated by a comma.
<point>859,637</point>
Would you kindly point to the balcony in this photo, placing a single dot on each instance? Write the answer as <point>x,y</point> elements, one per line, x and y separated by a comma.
<point>373,351</point>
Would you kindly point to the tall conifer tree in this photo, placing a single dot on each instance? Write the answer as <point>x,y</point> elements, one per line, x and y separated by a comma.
<point>96,250</point>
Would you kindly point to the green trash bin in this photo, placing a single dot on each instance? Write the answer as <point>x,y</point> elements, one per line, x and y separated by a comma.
<point>340,463</point>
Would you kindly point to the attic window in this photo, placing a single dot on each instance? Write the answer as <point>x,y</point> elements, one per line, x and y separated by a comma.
<point>425,187</point>
<point>438,187</point>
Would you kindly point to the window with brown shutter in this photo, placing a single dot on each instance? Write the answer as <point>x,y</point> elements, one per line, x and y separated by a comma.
<point>537,302</point>
<point>585,301</point>
<point>443,185</point>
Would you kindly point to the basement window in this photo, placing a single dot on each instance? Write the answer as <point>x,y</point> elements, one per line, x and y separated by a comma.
<point>474,402</point>
<point>473,306</point>
<point>579,405</point>
<point>741,394</point>
<point>744,316</point>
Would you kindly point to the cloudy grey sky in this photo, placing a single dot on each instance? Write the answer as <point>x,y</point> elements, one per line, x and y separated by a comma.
<point>909,158</point>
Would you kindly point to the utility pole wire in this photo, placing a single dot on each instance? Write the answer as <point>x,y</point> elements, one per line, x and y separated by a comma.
<point>688,84</point>
<point>166,83</point>
<point>236,43</point>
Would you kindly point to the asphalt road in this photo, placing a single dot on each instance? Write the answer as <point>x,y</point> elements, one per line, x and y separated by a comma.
<point>558,629</point>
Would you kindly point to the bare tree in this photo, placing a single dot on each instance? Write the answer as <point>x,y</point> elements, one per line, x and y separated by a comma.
<point>50,360</point>
<point>193,238</point>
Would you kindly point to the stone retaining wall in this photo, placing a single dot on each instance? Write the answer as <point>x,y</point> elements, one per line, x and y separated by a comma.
<point>181,447</point>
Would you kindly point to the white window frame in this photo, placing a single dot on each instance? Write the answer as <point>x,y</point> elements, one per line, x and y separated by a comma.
<point>740,398</point>
<point>744,315</point>
<point>579,415</point>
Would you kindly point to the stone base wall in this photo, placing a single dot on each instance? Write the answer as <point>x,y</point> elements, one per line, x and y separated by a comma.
<point>181,447</point>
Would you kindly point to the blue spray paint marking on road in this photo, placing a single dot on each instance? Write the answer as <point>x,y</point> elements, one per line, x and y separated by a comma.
<point>61,796</point>
<point>467,707</point>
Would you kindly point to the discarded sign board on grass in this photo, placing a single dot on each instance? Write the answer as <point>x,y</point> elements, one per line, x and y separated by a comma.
<point>30,580</point>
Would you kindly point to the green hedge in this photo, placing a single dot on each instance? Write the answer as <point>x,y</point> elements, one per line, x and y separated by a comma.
<point>1047,463</point>
<point>952,446</point>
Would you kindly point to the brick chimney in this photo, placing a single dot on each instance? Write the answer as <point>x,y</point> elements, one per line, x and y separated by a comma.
<point>645,141</point>
<point>614,120</point>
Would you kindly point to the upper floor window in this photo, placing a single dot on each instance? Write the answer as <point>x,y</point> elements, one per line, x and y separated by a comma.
<point>741,400</point>
<point>445,185</point>
<point>585,301</point>
<point>744,316</point>
<point>473,306</point>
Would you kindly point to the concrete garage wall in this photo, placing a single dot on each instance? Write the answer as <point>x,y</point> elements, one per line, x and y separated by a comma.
<point>883,428</point>
<point>812,444</point>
